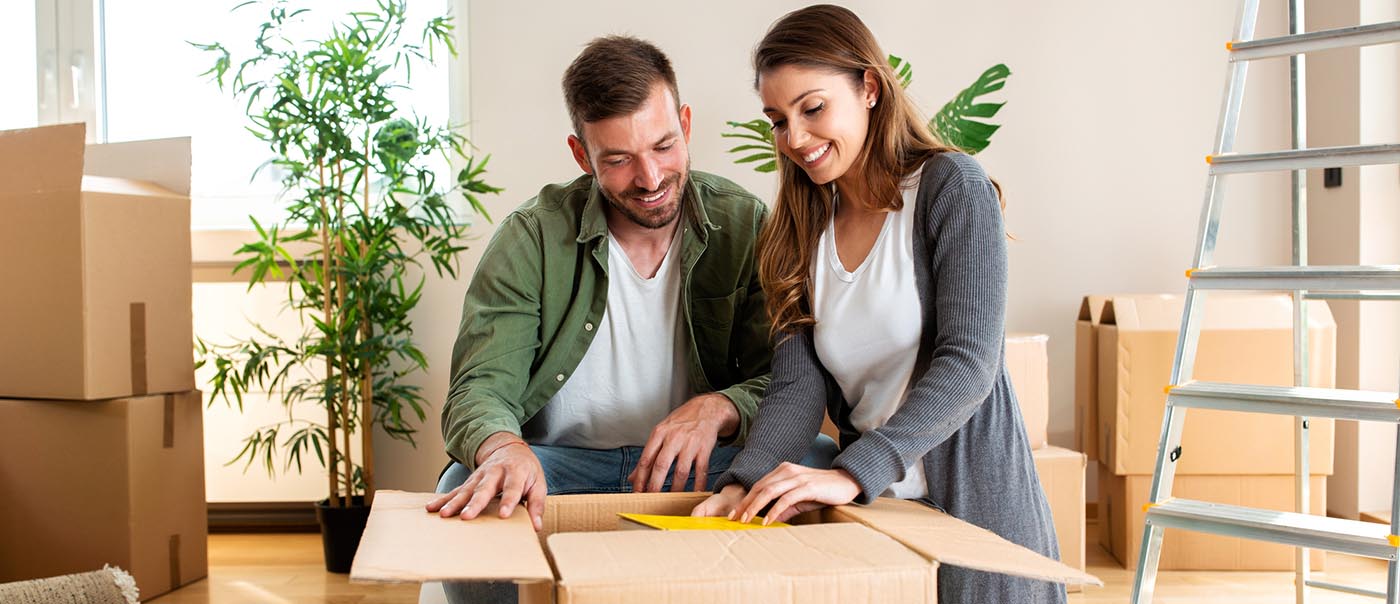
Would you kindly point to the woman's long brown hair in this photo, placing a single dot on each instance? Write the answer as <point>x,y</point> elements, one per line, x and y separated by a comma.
<point>897,142</point>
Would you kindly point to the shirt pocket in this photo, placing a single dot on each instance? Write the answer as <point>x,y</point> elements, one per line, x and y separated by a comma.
<point>717,312</point>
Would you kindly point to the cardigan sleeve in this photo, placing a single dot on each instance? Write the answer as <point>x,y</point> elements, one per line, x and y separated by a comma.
<point>967,273</point>
<point>789,416</point>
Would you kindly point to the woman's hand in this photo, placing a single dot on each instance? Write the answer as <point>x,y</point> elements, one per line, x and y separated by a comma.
<point>795,489</point>
<point>721,503</point>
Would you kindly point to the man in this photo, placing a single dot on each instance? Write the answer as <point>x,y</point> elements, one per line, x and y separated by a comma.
<point>615,326</point>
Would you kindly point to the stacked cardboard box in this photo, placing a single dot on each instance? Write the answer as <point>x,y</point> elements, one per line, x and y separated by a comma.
<point>100,424</point>
<point>1125,346</point>
<point>1061,471</point>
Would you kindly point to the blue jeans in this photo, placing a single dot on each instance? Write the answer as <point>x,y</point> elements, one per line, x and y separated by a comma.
<point>570,470</point>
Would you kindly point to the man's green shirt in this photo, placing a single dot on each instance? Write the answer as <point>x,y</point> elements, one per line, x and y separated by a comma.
<point>541,289</point>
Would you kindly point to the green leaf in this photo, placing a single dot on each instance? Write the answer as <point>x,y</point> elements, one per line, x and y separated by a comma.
<point>952,124</point>
<point>760,131</point>
<point>903,71</point>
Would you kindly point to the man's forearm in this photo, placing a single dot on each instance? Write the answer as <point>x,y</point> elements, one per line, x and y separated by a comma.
<point>495,442</point>
<point>719,405</point>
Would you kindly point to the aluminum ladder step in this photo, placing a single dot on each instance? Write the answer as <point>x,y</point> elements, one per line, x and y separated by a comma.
<point>1298,159</point>
<point>1289,278</point>
<point>1290,528</point>
<point>1345,37</point>
<point>1288,400</point>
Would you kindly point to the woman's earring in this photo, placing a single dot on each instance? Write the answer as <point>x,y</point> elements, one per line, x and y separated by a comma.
<point>872,103</point>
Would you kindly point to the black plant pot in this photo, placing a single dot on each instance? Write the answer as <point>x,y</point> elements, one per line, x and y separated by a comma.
<point>341,528</point>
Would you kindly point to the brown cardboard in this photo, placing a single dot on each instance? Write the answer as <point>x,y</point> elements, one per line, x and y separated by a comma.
<point>1245,339</point>
<point>99,272</point>
<point>1028,362</point>
<point>116,482</point>
<point>1121,517</point>
<point>1061,474</point>
<point>885,552</point>
<point>1086,376</point>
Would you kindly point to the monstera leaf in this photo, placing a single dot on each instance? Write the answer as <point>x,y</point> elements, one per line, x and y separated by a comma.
<point>951,125</point>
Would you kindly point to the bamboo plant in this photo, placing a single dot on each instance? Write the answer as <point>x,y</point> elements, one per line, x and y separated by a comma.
<point>952,124</point>
<point>363,208</point>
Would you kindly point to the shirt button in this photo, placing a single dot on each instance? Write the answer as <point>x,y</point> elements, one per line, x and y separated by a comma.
<point>588,327</point>
<point>559,378</point>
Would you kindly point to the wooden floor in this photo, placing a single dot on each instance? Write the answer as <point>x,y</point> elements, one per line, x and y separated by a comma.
<point>287,568</point>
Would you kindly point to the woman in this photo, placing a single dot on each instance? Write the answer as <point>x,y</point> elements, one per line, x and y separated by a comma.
<point>884,264</point>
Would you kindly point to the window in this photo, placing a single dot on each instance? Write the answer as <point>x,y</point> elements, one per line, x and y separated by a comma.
<point>144,82</point>
<point>19,108</point>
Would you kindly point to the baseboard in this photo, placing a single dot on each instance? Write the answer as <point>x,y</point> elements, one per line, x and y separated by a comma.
<point>263,517</point>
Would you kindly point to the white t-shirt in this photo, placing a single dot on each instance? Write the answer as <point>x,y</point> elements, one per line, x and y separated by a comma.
<point>869,322</point>
<point>634,372</point>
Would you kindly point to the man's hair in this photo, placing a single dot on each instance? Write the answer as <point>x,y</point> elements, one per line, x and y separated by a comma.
<point>613,76</point>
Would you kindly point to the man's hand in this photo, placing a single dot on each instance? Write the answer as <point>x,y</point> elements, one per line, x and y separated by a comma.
<point>505,466</point>
<point>722,503</point>
<point>796,489</point>
<point>685,440</point>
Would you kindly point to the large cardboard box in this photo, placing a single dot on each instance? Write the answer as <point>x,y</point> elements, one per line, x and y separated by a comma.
<point>96,270</point>
<point>1061,474</point>
<point>1027,361</point>
<point>116,482</point>
<point>1086,375</point>
<point>1246,339</point>
<point>885,552</point>
<point>1121,518</point>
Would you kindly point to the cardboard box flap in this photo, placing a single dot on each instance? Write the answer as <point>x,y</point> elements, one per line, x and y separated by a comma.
<point>42,159</point>
<point>165,162</point>
<point>403,542</point>
<point>1091,308</point>
<point>651,556</point>
<point>948,540</point>
<point>1162,312</point>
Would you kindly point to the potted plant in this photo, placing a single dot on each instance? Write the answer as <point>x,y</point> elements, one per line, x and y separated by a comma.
<point>364,207</point>
<point>952,124</point>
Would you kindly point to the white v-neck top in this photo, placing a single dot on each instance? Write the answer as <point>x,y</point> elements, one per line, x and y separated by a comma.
<point>634,372</point>
<point>869,322</point>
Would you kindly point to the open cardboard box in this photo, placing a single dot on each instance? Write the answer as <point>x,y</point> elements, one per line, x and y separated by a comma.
<point>885,552</point>
<point>97,247</point>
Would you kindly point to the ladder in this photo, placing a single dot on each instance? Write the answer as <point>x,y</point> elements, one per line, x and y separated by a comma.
<point>1305,282</point>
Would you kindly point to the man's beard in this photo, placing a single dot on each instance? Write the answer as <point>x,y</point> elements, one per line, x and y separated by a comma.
<point>651,218</point>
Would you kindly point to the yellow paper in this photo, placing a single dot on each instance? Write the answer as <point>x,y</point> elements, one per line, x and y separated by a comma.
<point>694,523</point>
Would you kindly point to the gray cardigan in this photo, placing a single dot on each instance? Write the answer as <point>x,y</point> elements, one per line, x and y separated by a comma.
<point>960,415</point>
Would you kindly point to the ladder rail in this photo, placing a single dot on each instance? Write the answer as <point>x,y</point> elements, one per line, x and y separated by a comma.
<point>1145,579</point>
<point>1297,87</point>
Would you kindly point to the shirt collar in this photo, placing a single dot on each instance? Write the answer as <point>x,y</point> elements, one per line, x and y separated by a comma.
<point>594,222</point>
